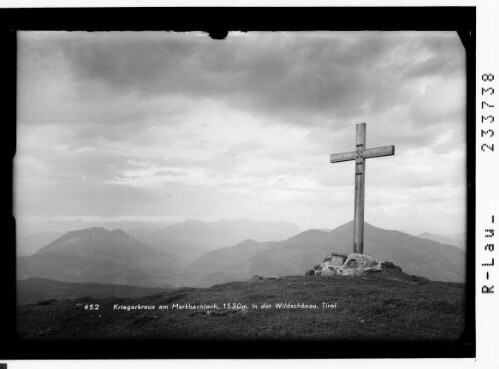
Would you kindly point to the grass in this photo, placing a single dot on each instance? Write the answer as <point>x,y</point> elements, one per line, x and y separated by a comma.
<point>374,307</point>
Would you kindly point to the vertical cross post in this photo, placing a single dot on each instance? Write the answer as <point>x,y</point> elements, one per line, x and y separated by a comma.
<point>360,155</point>
<point>360,168</point>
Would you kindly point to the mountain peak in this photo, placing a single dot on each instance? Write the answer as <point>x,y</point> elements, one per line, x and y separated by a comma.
<point>75,237</point>
<point>349,225</point>
<point>93,232</point>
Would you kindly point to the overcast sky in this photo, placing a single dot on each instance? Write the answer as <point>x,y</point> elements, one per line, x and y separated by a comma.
<point>177,126</point>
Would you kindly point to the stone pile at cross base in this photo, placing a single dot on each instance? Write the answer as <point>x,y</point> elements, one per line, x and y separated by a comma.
<point>353,264</point>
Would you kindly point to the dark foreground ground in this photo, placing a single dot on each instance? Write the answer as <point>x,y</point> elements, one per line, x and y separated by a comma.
<point>375,307</point>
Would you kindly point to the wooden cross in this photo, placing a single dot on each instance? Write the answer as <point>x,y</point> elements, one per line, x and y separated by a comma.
<point>359,155</point>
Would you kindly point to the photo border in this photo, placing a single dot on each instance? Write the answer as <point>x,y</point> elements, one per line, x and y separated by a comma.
<point>217,21</point>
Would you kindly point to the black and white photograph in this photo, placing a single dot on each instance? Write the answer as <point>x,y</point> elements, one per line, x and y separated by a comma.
<point>281,186</point>
<point>246,183</point>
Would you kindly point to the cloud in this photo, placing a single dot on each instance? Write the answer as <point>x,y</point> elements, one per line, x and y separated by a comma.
<point>179,125</point>
<point>314,73</point>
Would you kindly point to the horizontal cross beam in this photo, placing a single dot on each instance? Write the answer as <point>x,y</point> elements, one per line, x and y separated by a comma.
<point>364,153</point>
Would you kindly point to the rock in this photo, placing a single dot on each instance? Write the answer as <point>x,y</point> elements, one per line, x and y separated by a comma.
<point>390,267</point>
<point>353,264</point>
<point>256,277</point>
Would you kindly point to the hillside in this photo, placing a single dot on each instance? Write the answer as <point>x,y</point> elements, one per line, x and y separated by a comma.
<point>32,290</point>
<point>189,240</point>
<point>29,244</point>
<point>453,240</point>
<point>114,257</point>
<point>376,307</point>
<point>229,256</point>
<point>300,253</point>
<point>218,266</point>
<point>100,256</point>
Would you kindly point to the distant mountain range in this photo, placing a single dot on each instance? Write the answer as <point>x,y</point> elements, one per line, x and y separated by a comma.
<point>96,255</point>
<point>457,239</point>
<point>189,240</point>
<point>101,256</point>
<point>230,256</point>
<point>300,253</point>
<point>29,244</point>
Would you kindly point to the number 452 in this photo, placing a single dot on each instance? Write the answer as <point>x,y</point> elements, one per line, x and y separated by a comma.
<point>91,307</point>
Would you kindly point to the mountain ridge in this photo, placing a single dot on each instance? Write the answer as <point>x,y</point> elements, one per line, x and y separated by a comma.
<point>446,240</point>
<point>301,252</point>
<point>191,239</point>
<point>98,255</point>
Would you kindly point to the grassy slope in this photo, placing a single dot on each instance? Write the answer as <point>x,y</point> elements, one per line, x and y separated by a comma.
<point>30,291</point>
<point>376,307</point>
